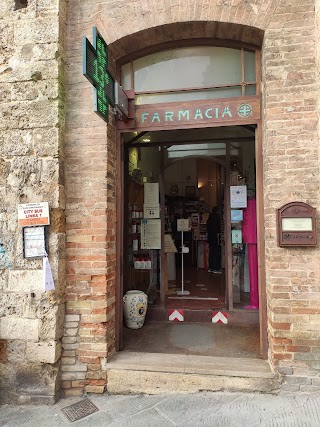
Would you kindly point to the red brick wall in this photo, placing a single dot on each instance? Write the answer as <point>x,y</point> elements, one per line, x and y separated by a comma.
<point>291,164</point>
<point>291,172</point>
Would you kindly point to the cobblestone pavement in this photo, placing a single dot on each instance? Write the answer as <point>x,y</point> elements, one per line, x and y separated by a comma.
<point>202,409</point>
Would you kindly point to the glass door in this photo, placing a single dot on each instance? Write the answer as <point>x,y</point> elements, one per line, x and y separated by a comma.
<point>241,224</point>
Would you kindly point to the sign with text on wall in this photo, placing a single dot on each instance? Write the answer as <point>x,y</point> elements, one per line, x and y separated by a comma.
<point>33,214</point>
<point>194,114</point>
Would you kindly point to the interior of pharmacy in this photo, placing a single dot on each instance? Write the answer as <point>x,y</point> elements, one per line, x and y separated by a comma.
<point>191,215</point>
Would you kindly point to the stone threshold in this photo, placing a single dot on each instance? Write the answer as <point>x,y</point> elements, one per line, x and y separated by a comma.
<point>191,364</point>
<point>156,373</point>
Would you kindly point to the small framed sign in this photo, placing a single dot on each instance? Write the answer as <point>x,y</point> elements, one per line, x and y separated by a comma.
<point>236,237</point>
<point>297,225</point>
<point>35,241</point>
<point>183,224</point>
<point>236,215</point>
<point>238,196</point>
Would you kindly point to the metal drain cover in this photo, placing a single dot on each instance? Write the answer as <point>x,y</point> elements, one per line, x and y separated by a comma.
<point>79,410</point>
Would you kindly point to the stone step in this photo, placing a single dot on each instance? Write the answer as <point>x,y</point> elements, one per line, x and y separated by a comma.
<point>157,373</point>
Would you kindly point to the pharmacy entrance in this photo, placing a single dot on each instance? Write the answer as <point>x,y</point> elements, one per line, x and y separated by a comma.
<point>191,215</point>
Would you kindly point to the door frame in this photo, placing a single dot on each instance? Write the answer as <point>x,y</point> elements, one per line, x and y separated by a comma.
<point>122,213</point>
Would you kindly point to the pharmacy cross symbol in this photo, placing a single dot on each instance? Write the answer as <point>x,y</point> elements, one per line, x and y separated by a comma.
<point>95,68</point>
<point>244,110</point>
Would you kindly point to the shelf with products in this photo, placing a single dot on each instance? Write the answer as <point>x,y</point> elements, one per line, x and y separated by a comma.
<point>142,264</point>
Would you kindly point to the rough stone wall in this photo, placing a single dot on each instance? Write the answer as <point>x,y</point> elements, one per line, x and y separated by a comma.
<point>31,170</point>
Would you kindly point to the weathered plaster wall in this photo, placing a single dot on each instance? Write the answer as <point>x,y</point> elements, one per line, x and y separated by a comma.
<point>291,158</point>
<point>31,170</point>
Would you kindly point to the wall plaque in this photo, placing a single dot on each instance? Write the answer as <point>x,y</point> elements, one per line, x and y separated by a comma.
<point>297,225</point>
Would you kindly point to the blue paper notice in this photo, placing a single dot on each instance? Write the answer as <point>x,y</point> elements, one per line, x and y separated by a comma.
<point>236,215</point>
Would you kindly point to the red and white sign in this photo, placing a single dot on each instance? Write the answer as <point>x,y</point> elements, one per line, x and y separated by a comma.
<point>33,214</point>
<point>176,315</point>
<point>220,317</point>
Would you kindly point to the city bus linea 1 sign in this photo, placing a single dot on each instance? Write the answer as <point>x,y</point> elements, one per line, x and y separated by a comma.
<point>95,69</point>
<point>31,214</point>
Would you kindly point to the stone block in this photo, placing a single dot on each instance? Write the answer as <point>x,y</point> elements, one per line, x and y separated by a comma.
<point>58,224</point>
<point>25,281</point>
<point>44,352</point>
<point>71,325</point>
<point>73,392</point>
<point>25,172</point>
<point>316,381</point>
<point>3,273</point>
<point>285,388</point>
<point>3,350</point>
<point>69,340</point>
<point>16,351</point>
<point>73,376</point>
<point>72,318</point>
<point>297,380</point>
<point>7,375</point>
<point>18,305</point>
<point>130,381</point>
<point>74,346</point>
<point>283,370</point>
<point>42,30</point>
<point>69,353</point>
<point>310,389</point>
<point>38,379</point>
<point>46,142</point>
<point>19,329</point>
<point>75,368</point>
<point>17,143</point>
<point>99,389</point>
<point>71,332</point>
<point>52,318</point>
<point>68,360</point>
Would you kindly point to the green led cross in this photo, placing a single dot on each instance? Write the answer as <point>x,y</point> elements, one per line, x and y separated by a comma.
<point>95,68</point>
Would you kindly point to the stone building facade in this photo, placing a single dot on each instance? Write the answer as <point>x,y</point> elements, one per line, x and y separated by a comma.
<point>55,148</point>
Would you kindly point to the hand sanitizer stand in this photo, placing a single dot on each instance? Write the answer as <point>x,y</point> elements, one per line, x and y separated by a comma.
<point>183,225</point>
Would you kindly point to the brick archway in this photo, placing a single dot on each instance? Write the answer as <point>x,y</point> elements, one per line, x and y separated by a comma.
<point>150,38</point>
<point>289,106</point>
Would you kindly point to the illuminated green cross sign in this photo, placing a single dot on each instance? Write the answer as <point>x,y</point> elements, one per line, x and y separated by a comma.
<point>95,68</point>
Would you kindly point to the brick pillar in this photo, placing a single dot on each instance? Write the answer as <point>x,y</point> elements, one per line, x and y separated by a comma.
<point>91,227</point>
<point>291,164</point>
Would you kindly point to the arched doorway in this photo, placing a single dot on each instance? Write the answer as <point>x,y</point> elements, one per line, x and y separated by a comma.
<point>206,95</point>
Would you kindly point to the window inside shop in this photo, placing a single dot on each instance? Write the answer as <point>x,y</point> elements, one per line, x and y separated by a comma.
<point>191,73</point>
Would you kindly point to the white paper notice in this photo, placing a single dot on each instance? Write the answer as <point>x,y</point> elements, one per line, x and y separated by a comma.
<point>47,275</point>
<point>34,242</point>
<point>151,193</point>
<point>238,196</point>
<point>151,234</point>
<point>151,211</point>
